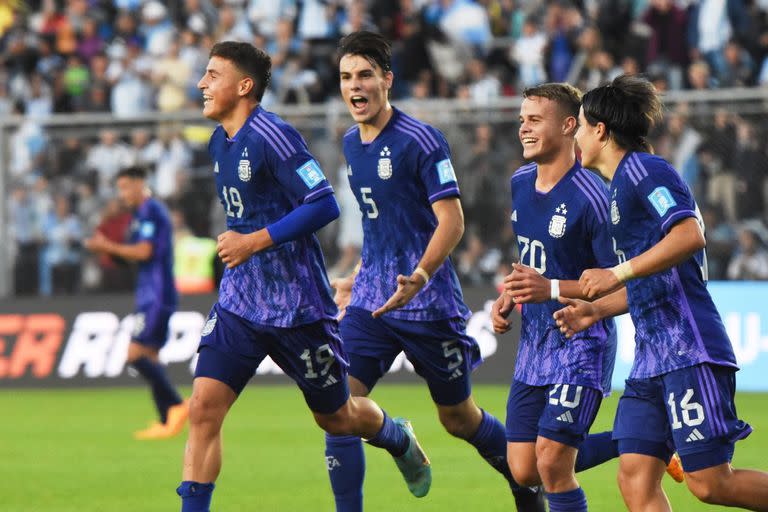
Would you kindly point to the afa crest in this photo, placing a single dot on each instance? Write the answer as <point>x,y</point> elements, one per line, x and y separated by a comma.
<point>558,221</point>
<point>139,323</point>
<point>209,325</point>
<point>615,217</point>
<point>244,170</point>
<point>385,164</point>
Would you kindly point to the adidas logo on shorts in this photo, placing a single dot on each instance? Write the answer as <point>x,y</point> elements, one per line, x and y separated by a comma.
<point>566,417</point>
<point>694,436</point>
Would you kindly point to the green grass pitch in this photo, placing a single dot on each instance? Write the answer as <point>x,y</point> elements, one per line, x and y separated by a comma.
<point>71,450</point>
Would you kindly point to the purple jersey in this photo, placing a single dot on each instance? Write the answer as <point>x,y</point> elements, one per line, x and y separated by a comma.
<point>676,322</point>
<point>155,285</point>
<point>262,174</point>
<point>560,234</point>
<point>395,179</point>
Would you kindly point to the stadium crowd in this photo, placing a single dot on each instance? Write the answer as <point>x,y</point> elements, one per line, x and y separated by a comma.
<point>131,57</point>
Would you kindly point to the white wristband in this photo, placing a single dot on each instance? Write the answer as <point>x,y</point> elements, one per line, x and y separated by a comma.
<point>554,289</point>
<point>423,273</point>
<point>623,272</point>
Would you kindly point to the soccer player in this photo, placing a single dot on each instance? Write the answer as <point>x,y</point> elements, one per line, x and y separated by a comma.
<point>151,245</point>
<point>681,388</point>
<point>274,298</point>
<point>406,296</point>
<point>560,219</point>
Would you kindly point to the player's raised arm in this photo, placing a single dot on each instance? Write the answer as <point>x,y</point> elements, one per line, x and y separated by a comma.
<point>450,228</point>
<point>526,285</point>
<point>578,315</point>
<point>683,240</point>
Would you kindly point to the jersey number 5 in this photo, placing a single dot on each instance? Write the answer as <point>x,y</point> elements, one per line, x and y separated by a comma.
<point>233,201</point>
<point>367,199</point>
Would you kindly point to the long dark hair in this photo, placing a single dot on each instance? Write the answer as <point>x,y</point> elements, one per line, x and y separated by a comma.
<point>629,107</point>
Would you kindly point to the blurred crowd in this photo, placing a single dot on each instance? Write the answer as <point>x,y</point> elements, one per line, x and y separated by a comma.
<point>125,58</point>
<point>134,56</point>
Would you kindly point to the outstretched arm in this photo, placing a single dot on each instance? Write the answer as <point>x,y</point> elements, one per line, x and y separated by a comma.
<point>682,241</point>
<point>526,285</point>
<point>140,251</point>
<point>450,228</point>
<point>579,315</point>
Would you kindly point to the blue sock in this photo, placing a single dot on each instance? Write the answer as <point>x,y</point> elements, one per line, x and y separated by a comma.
<point>195,497</point>
<point>163,392</point>
<point>391,437</point>
<point>569,501</point>
<point>596,449</point>
<point>345,459</point>
<point>490,441</point>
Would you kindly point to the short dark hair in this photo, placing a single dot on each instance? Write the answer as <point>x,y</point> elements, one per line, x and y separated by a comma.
<point>567,97</point>
<point>251,61</point>
<point>135,172</point>
<point>374,47</point>
<point>629,107</point>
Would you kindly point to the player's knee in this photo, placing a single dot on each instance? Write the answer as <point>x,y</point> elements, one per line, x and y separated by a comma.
<point>205,412</point>
<point>458,424</point>
<point>524,475</point>
<point>551,464</point>
<point>708,491</point>
<point>627,482</point>
<point>338,423</point>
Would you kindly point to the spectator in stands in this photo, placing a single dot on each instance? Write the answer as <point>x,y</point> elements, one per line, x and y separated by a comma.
<point>528,54</point>
<point>131,89</point>
<point>39,103</point>
<point>484,86</point>
<point>721,239</point>
<point>466,22</point>
<point>26,231</point>
<point>232,25</point>
<point>712,23</point>
<point>750,262</point>
<point>317,19</point>
<point>267,14</point>
<point>90,43</point>
<point>156,28</point>
<point>667,50</point>
<point>172,158</point>
<point>27,147</point>
<point>60,256</point>
<point>750,170</point>
<point>700,77</point>
<point>76,79</point>
<point>171,76</point>
<point>738,66</point>
<point>105,159</point>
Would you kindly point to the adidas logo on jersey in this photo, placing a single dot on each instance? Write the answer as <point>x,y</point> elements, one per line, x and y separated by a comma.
<point>513,218</point>
<point>566,417</point>
<point>694,436</point>
<point>216,168</point>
